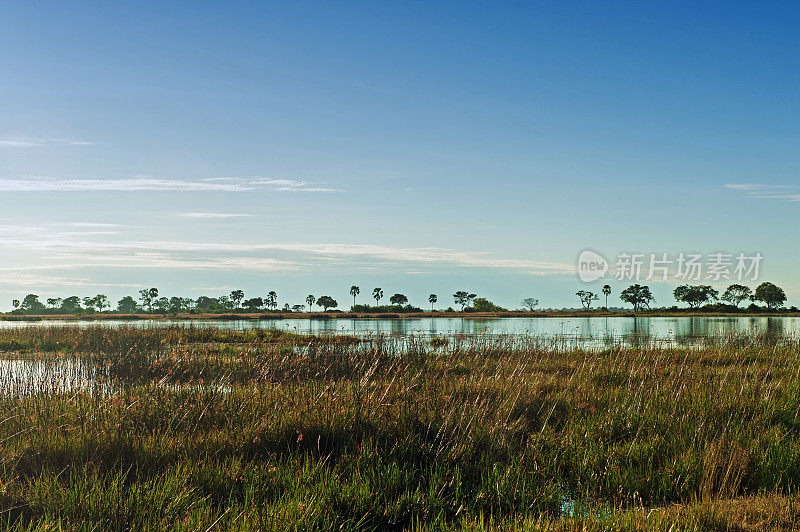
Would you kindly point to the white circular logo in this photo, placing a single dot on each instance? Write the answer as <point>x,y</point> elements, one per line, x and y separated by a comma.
<point>591,266</point>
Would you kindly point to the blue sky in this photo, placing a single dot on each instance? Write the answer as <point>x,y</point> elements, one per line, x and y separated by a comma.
<point>421,147</point>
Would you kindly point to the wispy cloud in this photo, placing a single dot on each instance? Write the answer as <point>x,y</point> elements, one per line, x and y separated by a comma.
<point>34,142</point>
<point>210,215</point>
<point>147,183</point>
<point>759,191</point>
<point>222,255</point>
<point>89,224</point>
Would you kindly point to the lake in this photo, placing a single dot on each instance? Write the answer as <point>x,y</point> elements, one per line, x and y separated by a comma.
<point>585,331</point>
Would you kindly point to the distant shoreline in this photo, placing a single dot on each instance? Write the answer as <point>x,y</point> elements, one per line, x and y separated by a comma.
<point>392,316</point>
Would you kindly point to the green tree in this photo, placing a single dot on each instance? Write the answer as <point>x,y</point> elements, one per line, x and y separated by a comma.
<point>310,300</point>
<point>225,302</point>
<point>398,300</point>
<point>101,302</point>
<point>237,296</point>
<point>71,305</point>
<point>736,293</point>
<point>377,295</point>
<point>637,295</point>
<point>298,308</point>
<point>180,304</point>
<point>148,297</point>
<point>31,304</point>
<point>54,302</point>
<point>354,291</point>
<point>127,305</point>
<point>606,292</point>
<point>773,296</point>
<point>161,304</point>
<point>206,304</point>
<point>327,302</point>
<point>254,303</point>
<point>586,298</point>
<point>695,296</point>
<point>432,299</point>
<point>272,300</point>
<point>481,304</point>
<point>464,299</point>
<point>153,292</point>
<point>15,303</point>
<point>530,303</point>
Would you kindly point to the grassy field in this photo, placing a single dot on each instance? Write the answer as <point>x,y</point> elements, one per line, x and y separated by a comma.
<point>199,429</point>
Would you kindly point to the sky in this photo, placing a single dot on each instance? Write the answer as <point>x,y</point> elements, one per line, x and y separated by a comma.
<point>420,147</point>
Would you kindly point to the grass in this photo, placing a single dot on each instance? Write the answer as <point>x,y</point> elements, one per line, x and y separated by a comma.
<point>198,429</point>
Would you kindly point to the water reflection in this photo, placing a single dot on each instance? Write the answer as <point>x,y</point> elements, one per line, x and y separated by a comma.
<point>593,331</point>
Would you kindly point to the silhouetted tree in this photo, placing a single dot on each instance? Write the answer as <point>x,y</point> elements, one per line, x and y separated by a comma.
<point>464,299</point>
<point>530,303</point>
<point>638,296</point>
<point>695,296</point>
<point>586,298</point>
<point>101,302</point>
<point>31,304</point>
<point>377,294</point>
<point>606,292</point>
<point>254,303</point>
<point>736,293</point>
<point>327,302</point>
<point>127,305</point>
<point>205,303</point>
<point>433,298</point>
<point>272,300</point>
<point>398,299</point>
<point>71,305</point>
<point>153,293</point>
<point>354,291</point>
<point>237,296</point>
<point>147,297</point>
<point>162,304</point>
<point>773,296</point>
<point>310,300</point>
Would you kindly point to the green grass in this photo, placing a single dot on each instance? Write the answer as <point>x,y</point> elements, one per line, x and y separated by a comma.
<point>189,428</point>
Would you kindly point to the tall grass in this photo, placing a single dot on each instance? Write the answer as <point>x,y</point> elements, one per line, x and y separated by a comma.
<point>188,428</point>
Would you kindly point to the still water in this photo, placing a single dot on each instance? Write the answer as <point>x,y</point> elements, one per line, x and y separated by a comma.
<point>591,330</point>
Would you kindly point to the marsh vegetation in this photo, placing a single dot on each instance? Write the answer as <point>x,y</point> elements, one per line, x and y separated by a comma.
<point>197,428</point>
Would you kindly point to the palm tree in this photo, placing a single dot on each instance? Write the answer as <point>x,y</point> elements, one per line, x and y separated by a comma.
<point>432,299</point>
<point>606,292</point>
<point>377,294</point>
<point>272,299</point>
<point>354,291</point>
<point>310,300</point>
<point>153,294</point>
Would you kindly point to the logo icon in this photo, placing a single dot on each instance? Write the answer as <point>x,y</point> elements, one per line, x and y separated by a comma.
<point>591,266</point>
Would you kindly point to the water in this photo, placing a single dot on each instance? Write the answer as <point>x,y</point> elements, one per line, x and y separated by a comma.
<point>589,331</point>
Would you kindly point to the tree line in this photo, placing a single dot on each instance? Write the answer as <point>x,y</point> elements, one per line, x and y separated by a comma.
<point>695,296</point>
<point>150,301</point>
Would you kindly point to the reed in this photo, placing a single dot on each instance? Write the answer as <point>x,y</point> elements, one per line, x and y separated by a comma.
<point>200,428</point>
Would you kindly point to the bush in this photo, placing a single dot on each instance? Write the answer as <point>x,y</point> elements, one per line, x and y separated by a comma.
<point>482,304</point>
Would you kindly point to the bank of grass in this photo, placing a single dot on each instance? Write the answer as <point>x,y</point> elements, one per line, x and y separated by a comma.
<point>195,429</point>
